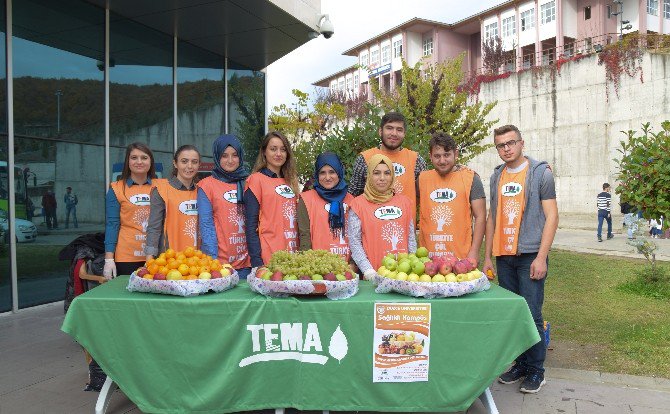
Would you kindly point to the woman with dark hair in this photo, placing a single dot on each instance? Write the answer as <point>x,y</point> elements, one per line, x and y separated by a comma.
<point>270,201</point>
<point>380,221</point>
<point>221,206</point>
<point>127,212</point>
<point>325,207</point>
<point>173,217</point>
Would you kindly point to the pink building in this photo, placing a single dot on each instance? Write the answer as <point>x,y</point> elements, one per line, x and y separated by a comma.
<point>534,32</point>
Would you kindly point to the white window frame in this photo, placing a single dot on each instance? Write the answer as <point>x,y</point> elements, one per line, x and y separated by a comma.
<point>348,84</point>
<point>374,57</point>
<point>357,83</point>
<point>548,12</point>
<point>397,48</point>
<point>652,7</point>
<point>365,61</point>
<point>386,54</point>
<point>340,85</point>
<point>491,31</point>
<point>427,44</point>
<point>509,26</point>
<point>527,20</point>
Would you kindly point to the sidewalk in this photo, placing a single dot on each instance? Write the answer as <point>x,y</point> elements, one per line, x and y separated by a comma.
<point>45,373</point>
<point>585,241</point>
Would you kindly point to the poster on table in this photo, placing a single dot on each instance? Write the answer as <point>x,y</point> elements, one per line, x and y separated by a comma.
<point>401,342</point>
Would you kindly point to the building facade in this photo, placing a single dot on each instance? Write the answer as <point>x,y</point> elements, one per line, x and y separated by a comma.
<point>83,79</point>
<point>535,32</point>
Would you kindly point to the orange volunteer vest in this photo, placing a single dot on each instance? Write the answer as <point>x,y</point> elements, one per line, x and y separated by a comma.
<point>228,221</point>
<point>509,212</point>
<point>384,226</point>
<point>134,216</point>
<point>181,216</point>
<point>277,221</point>
<point>319,229</point>
<point>445,215</point>
<point>404,164</point>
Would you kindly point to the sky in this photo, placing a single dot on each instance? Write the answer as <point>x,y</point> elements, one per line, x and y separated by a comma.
<point>355,22</point>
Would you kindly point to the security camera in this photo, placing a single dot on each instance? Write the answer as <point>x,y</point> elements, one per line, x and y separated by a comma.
<point>326,26</point>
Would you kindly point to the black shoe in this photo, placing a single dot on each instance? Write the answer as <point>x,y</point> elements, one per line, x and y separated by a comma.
<point>610,236</point>
<point>600,239</point>
<point>533,383</point>
<point>514,374</point>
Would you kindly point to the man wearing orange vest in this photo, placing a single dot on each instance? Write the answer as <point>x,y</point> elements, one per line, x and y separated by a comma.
<point>450,196</point>
<point>407,164</point>
<point>520,228</point>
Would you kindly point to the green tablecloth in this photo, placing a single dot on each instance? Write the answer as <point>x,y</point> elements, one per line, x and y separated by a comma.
<point>182,355</point>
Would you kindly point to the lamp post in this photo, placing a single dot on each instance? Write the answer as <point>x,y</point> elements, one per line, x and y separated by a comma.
<point>59,93</point>
<point>623,24</point>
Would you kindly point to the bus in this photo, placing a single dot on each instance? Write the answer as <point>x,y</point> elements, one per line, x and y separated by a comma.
<point>21,180</point>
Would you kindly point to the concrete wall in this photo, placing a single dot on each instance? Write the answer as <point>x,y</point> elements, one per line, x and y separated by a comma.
<point>569,122</point>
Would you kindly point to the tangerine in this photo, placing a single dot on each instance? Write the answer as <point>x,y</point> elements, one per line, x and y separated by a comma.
<point>169,253</point>
<point>161,261</point>
<point>191,261</point>
<point>193,270</point>
<point>163,270</point>
<point>153,269</point>
<point>204,269</point>
<point>181,257</point>
<point>198,254</point>
<point>215,265</point>
<point>173,264</point>
<point>189,251</point>
<point>191,277</point>
<point>183,269</point>
<point>203,262</point>
<point>149,262</point>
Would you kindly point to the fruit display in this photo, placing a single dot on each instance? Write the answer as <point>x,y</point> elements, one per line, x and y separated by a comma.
<point>402,343</point>
<point>183,273</point>
<point>418,275</point>
<point>310,272</point>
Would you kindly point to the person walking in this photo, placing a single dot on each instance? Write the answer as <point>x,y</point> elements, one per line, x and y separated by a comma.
<point>604,202</point>
<point>70,199</point>
<point>49,204</point>
<point>520,229</point>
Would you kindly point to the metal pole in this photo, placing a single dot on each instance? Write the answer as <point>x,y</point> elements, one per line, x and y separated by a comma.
<point>10,159</point>
<point>59,93</point>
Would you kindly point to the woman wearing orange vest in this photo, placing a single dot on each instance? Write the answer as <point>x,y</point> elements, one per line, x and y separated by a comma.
<point>325,207</point>
<point>221,206</point>
<point>270,201</point>
<point>380,221</point>
<point>127,212</point>
<point>173,217</point>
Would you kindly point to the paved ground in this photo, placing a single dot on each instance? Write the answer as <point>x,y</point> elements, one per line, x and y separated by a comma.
<point>585,241</point>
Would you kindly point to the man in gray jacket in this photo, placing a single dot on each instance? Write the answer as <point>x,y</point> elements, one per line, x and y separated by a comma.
<point>520,228</point>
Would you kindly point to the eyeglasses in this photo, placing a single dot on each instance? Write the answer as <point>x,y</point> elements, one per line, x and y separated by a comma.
<point>509,143</point>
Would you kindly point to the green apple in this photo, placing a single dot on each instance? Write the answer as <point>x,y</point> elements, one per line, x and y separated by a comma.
<point>421,252</point>
<point>392,275</point>
<point>412,256</point>
<point>266,275</point>
<point>425,259</point>
<point>418,268</point>
<point>317,276</point>
<point>401,276</point>
<point>205,275</point>
<point>461,278</point>
<point>390,264</point>
<point>173,275</point>
<point>439,278</point>
<point>402,256</point>
<point>290,277</point>
<point>425,278</point>
<point>390,256</point>
<point>340,277</point>
<point>404,266</point>
<point>450,277</point>
<point>413,277</point>
<point>382,270</point>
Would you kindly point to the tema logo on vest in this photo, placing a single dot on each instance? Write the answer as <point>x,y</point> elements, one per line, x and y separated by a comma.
<point>189,207</point>
<point>388,213</point>
<point>398,169</point>
<point>289,341</point>
<point>443,195</point>
<point>140,199</point>
<point>284,191</point>
<point>230,196</point>
<point>511,189</point>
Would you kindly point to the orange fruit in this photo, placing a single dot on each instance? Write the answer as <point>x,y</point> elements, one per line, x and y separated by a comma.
<point>173,264</point>
<point>193,270</point>
<point>163,270</point>
<point>191,277</point>
<point>149,262</point>
<point>169,253</point>
<point>189,251</point>
<point>153,269</point>
<point>215,265</point>
<point>161,261</point>
<point>198,254</point>
<point>191,261</point>
<point>181,257</point>
<point>148,276</point>
<point>203,262</point>
<point>183,269</point>
<point>171,259</point>
<point>162,255</point>
<point>204,269</point>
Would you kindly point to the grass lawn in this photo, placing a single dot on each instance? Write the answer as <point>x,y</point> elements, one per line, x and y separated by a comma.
<point>35,261</point>
<point>631,333</point>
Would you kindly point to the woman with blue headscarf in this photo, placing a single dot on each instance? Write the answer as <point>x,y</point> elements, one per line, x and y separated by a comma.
<point>221,206</point>
<point>322,211</point>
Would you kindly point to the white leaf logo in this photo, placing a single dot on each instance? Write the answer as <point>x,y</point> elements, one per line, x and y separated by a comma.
<point>339,345</point>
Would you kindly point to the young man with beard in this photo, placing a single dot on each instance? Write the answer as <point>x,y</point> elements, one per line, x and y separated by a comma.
<point>520,228</point>
<point>451,197</point>
<point>407,164</point>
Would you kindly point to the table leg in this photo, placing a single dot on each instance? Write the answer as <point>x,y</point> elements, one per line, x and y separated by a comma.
<point>487,399</point>
<point>105,396</point>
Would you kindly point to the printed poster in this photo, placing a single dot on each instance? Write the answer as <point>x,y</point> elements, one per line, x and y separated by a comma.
<point>401,342</point>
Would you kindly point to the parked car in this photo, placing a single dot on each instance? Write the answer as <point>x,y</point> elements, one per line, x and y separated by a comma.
<point>25,230</point>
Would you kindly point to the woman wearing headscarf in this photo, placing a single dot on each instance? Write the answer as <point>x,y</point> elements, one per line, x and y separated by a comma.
<point>322,211</point>
<point>380,221</point>
<point>221,206</point>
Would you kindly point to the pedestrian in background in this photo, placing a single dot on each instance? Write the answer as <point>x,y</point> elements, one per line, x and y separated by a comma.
<point>70,201</point>
<point>49,205</point>
<point>604,202</point>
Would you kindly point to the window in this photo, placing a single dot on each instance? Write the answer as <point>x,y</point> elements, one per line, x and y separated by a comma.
<point>428,46</point>
<point>509,26</point>
<point>548,12</point>
<point>587,12</point>
<point>374,57</point>
<point>397,48</point>
<point>652,7</point>
<point>386,54</point>
<point>609,11</point>
<point>666,9</point>
<point>527,20</point>
<point>491,30</point>
<point>357,84</point>
<point>340,85</point>
<point>364,59</point>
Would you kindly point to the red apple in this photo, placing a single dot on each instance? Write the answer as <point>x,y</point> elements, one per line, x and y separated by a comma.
<point>330,276</point>
<point>277,276</point>
<point>450,260</point>
<point>462,266</point>
<point>305,277</point>
<point>431,269</point>
<point>216,274</point>
<point>142,271</point>
<point>445,269</point>
<point>158,276</point>
<point>348,275</point>
<point>473,262</point>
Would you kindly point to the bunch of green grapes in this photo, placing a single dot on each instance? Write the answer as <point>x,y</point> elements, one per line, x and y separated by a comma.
<point>307,263</point>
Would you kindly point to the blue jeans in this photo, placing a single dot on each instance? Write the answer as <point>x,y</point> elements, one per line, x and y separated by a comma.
<point>514,275</point>
<point>243,272</point>
<point>604,215</point>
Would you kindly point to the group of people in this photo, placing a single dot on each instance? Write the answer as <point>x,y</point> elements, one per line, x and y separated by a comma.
<point>242,217</point>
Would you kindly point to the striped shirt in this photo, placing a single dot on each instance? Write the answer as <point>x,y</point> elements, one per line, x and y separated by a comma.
<point>604,201</point>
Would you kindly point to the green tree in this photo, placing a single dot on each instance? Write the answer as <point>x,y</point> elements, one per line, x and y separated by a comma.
<point>247,94</point>
<point>644,171</point>
<point>431,99</point>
